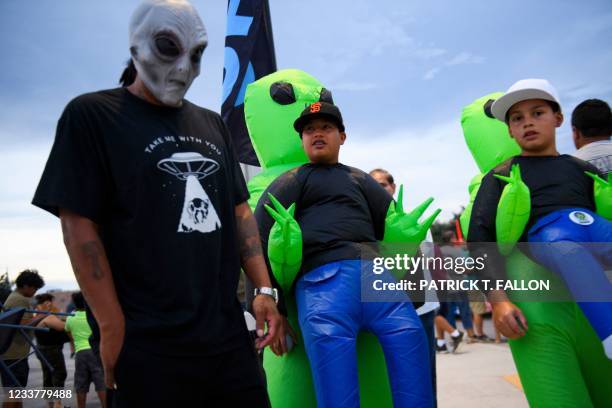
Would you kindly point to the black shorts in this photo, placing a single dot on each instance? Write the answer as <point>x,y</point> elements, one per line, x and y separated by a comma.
<point>87,370</point>
<point>443,309</point>
<point>20,370</point>
<point>231,379</point>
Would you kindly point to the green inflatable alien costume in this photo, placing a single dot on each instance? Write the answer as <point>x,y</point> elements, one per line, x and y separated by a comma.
<point>279,149</point>
<point>560,359</point>
<point>271,106</point>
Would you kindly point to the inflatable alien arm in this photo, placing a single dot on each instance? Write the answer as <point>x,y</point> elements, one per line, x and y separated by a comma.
<point>401,227</point>
<point>284,244</point>
<point>513,210</point>
<point>603,194</point>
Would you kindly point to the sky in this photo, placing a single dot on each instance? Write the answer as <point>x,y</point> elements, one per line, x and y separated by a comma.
<point>400,70</point>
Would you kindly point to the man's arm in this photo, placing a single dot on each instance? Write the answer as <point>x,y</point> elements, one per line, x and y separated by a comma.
<point>52,322</point>
<point>254,265</point>
<point>92,271</point>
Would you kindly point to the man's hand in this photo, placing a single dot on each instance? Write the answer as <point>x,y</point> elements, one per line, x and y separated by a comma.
<point>509,319</point>
<point>265,311</point>
<point>280,347</point>
<point>111,342</point>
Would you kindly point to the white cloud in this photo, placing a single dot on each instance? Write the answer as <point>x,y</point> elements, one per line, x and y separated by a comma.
<point>428,53</point>
<point>462,58</point>
<point>34,242</point>
<point>431,73</point>
<point>465,58</point>
<point>431,162</point>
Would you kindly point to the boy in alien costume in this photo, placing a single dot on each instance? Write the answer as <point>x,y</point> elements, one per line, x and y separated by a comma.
<point>282,96</point>
<point>559,357</point>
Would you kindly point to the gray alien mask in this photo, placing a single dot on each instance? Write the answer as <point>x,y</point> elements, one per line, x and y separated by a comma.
<point>167,39</point>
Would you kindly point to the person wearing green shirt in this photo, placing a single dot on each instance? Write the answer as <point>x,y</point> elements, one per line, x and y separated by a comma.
<point>87,369</point>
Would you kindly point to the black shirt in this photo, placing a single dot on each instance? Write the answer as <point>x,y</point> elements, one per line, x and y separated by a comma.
<point>162,184</point>
<point>51,338</point>
<point>555,183</point>
<point>337,207</point>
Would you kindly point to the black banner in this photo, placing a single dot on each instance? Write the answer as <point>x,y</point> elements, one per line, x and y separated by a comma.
<point>249,55</point>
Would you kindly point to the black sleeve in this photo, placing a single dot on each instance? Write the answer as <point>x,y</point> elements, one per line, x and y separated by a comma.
<point>287,189</point>
<point>76,176</point>
<point>241,192</point>
<point>378,201</point>
<point>482,228</point>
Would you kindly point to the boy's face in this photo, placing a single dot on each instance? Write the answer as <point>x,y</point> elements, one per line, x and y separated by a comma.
<point>321,140</point>
<point>532,124</point>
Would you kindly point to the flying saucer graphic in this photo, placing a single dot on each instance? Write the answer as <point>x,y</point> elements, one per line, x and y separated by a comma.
<point>183,165</point>
<point>198,214</point>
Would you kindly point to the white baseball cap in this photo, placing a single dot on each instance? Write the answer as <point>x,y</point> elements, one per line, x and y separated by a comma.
<point>521,91</point>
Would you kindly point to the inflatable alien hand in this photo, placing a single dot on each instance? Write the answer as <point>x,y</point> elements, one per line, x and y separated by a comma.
<point>513,210</point>
<point>405,228</point>
<point>603,195</point>
<point>284,244</point>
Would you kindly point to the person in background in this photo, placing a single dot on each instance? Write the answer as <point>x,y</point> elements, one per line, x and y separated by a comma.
<point>479,309</point>
<point>28,282</point>
<point>591,130</point>
<point>87,369</point>
<point>457,299</point>
<point>51,346</point>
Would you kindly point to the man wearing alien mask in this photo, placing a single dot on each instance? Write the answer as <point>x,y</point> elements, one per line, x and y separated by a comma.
<point>153,210</point>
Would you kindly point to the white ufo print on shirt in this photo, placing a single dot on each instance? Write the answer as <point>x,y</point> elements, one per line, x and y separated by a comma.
<point>198,214</point>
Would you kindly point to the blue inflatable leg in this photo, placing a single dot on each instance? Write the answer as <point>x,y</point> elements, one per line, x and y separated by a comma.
<point>560,243</point>
<point>329,316</point>
<point>404,343</point>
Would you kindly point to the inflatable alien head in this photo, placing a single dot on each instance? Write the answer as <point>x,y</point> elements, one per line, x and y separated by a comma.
<point>487,138</point>
<point>271,105</point>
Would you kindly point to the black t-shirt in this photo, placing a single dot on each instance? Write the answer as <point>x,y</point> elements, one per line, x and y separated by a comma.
<point>337,207</point>
<point>162,184</point>
<point>555,183</point>
<point>51,338</point>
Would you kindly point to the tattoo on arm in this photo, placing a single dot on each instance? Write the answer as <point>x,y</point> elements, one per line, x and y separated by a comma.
<point>248,236</point>
<point>92,251</point>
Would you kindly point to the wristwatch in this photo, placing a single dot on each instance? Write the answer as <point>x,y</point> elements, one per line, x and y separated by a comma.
<point>267,291</point>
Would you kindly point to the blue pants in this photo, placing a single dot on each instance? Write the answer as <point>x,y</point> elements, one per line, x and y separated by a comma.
<point>560,242</point>
<point>331,314</point>
<point>461,301</point>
